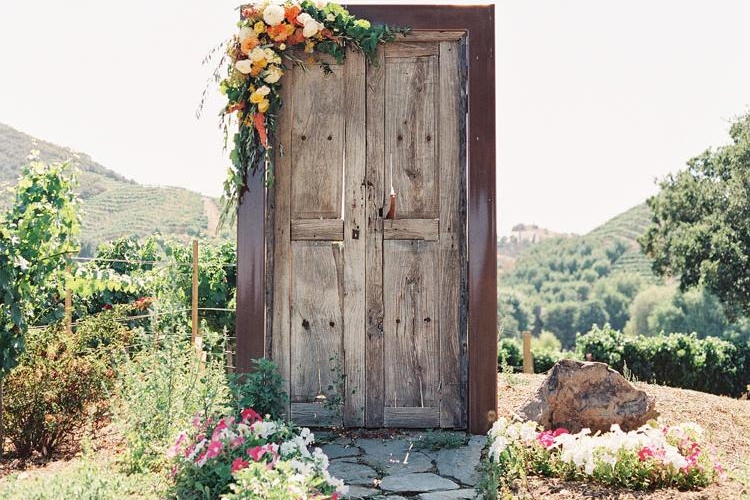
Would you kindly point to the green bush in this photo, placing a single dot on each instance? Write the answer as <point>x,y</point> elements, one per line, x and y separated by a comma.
<point>509,353</point>
<point>678,360</point>
<point>161,389</point>
<point>262,390</point>
<point>61,382</point>
<point>546,359</point>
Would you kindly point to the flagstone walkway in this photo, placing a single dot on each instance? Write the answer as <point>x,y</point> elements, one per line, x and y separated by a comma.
<point>394,468</point>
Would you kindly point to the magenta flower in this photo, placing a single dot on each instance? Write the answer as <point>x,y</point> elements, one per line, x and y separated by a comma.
<point>250,416</point>
<point>236,442</point>
<point>214,448</point>
<point>239,464</point>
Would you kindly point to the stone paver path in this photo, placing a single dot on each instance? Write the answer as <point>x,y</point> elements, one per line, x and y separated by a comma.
<point>395,468</point>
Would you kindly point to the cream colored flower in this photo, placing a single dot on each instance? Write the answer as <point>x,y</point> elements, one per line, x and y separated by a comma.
<point>320,4</point>
<point>273,14</point>
<point>245,33</point>
<point>311,28</point>
<point>272,56</point>
<point>244,66</point>
<point>303,18</point>
<point>257,55</point>
<point>264,90</point>
<point>330,17</point>
<point>272,74</point>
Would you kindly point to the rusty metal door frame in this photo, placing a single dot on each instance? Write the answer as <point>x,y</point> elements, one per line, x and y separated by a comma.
<point>479,23</point>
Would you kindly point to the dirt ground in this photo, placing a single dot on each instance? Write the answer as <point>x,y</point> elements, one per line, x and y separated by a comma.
<point>725,420</point>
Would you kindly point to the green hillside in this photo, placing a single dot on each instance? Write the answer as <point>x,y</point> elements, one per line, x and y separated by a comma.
<point>113,206</point>
<point>566,284</point>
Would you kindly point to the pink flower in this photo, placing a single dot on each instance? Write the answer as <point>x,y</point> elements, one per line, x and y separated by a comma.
<point>214,448</point>
<point>546,439</point>
<point>172,452</point>
<point>560,431</point>
<point>239,464</point>
<point>236,442</point>
<point>251,416</point>
<point>256,453</point>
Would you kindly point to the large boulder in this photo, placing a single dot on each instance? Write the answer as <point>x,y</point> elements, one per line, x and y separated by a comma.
<point>577,395</point>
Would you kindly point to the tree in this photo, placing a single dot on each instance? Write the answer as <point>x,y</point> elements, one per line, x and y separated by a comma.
<point>700,223</point>
<point>37,237</point>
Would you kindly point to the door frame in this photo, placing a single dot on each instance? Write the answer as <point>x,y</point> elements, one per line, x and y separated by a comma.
<point>253,239</point>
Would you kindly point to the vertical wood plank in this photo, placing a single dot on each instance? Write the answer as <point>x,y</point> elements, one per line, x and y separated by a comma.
<point>374,241</point>
<point>318,134</point>
<point>410,135</point>
<point>412,344</point>
<point>282,251</point>
<point>453,328</point>
<point>316,322</point>
<point>354,240</point>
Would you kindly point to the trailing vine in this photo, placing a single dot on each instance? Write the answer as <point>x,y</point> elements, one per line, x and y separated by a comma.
<point>255,61</point>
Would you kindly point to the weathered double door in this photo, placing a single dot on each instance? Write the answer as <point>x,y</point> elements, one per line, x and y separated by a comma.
<point>368,319</point>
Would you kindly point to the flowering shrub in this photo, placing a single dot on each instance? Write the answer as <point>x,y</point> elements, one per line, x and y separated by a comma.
<point>256,62</point>
<point>249,458</point>
<point>647,458</point>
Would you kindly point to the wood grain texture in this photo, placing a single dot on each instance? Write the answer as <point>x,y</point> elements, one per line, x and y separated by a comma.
<point>431,35</point>
<point>410,135</point>
<point>280,344</point>
<point>409,49</point>
<point>318,229</point>
<point>314,415</point>
<point>411,229</point>
<point>411,322</point>
<point>412,417</point>
<point>318,148</point>
<point>316,319</point>
<point>452,264</point>
<point>354,241</point>
<point>375,185</point>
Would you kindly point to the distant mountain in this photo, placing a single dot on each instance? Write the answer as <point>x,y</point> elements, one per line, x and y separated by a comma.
<point>113,205</point>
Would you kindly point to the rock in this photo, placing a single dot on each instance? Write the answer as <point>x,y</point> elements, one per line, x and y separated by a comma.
<point>352,473</point>
<point>361,492</point>
<point>448,495</point>
<point>416,483</point>
<point>461,463</point>
<point>577,395</point>
<point>338,451</point>
<point>393,456</point>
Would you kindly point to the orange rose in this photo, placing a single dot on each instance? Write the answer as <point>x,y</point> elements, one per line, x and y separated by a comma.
<point>291,13</point>
<point>280,32</point>
<point>249,44</point>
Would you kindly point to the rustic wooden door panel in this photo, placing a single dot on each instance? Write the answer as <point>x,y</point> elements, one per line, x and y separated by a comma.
<point>411,91</point>
<point>317,146</point>
<point>412,344</point>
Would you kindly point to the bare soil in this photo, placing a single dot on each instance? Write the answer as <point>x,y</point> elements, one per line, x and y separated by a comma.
<point>726,422</point>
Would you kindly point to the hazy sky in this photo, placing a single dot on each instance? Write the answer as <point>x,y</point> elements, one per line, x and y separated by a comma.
<point>596,98</point>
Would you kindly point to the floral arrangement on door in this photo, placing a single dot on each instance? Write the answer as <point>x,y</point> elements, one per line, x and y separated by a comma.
<point>257,57</point>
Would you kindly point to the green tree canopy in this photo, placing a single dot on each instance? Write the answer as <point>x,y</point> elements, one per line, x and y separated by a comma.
<point>700,229</point>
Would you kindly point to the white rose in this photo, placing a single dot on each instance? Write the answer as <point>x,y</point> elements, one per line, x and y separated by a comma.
<point>272,74</point>
<point>244,66</point>
<point>303,18</point>
<point>257,54</point>
<point>264,91</point>
<point>311,28</point>
<point>320,4</point>
<point>246,33</point>
<point>273,15</point>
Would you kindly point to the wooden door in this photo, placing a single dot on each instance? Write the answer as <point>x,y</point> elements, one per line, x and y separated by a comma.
<point>368,315</point>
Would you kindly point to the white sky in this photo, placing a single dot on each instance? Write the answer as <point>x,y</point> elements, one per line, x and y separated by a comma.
<point>596,98</point>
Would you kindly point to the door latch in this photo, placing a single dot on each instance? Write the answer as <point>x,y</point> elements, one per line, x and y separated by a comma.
<point>355,234</point>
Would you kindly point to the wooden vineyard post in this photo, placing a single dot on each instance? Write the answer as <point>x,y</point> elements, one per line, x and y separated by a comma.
<point>195,337</point>
<point>528,362</point>
<point>68,305</point>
